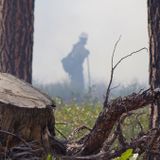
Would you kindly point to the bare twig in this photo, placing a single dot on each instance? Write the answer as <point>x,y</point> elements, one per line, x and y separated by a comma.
<point>114,50</point>
<point>60,133</point>
<point>139,123</point>
<point>113,67</point>
<point>34,152</point>
<point>123,58</point>
<point>115,87</point>
<point>121,138</point>
<point>58,147</point>
<point>61,123</point>
<point>112,71</point>
<point>12,134</point>
<point>78,130</point>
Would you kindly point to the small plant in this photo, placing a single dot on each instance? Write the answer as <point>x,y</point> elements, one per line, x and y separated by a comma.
<point>49,157</point>
<point>126,155</point>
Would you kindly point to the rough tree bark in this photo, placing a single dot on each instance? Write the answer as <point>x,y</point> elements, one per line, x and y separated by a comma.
<point>154,48</point>
<point>16,37</point>
<point>24,111</point>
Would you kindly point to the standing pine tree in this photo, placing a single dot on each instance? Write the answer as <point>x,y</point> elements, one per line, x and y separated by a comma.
<point>16,37</point>
<point>154,48</point>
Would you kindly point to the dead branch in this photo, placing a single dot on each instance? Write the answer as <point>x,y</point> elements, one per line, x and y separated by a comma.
<point>22,151</point>
<point>77,130</point>
<point>112,70</point>
<point>110,115</point>
<point>147,142</point>
<point>61,133</point>
<point>57,147</point>
<point>140,144</point>
<point>121,138</point>
<point>114,87</point>
<point>109,142</point>
<point>113,67</point>
<point>14,135</point>
<point>139,123</point>
<point>129,55</point>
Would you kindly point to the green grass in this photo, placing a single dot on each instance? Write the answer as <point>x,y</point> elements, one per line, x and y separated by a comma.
<point>72,116</point>
<point>132,125</point>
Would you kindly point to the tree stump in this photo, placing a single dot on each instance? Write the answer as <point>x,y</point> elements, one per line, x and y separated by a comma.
<point>24,111</point>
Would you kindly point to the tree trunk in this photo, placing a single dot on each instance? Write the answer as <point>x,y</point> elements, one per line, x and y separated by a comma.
<point>154,47</point>
<point>24,111</point>
<point>16,37</point>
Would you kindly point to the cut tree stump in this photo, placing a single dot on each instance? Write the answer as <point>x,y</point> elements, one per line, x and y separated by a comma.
<point>24,111</point>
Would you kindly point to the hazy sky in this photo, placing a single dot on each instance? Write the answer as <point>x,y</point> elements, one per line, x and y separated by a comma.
<point>58,24</point>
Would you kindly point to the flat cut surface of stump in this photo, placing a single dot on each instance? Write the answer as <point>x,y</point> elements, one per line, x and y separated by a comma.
<point>21,94</point>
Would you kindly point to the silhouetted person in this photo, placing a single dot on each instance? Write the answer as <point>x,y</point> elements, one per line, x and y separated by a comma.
<point>73,63</point>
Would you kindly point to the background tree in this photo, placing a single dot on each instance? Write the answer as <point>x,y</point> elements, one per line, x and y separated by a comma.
<point>154,48</point>
<point>16,37</point>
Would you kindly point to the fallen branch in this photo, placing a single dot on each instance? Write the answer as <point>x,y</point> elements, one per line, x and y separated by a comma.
<point>147,142</point>
<point>22,151</point>
<point>110,115</point>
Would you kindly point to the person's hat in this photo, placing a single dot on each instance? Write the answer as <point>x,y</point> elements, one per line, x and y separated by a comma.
<point>83,35</point>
